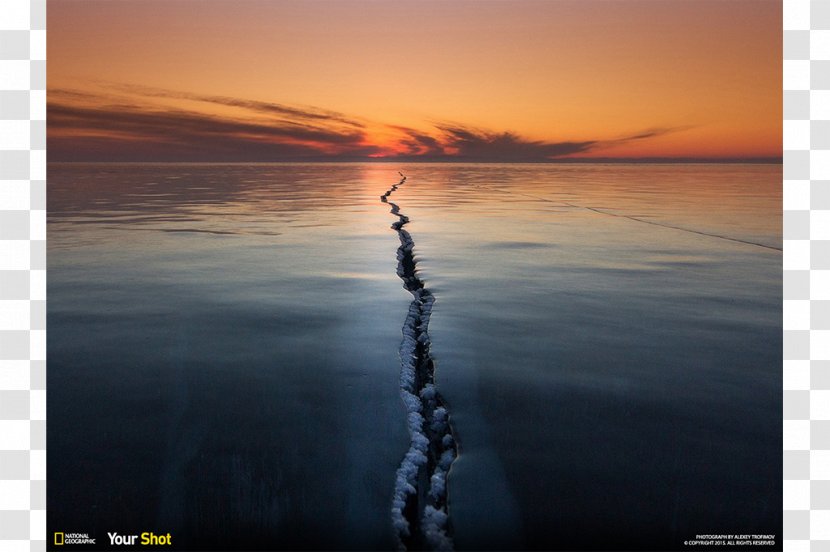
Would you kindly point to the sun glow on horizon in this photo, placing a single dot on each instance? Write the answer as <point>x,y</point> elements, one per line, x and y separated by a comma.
<point>504,81</point>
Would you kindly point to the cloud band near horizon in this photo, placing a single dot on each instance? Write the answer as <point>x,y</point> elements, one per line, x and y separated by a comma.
<point>138,123</point>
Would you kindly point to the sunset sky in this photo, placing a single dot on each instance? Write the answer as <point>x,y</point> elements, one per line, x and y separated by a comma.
<point>255,80</point>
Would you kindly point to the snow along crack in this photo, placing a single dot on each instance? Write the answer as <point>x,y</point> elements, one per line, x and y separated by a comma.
<point>420,511</point>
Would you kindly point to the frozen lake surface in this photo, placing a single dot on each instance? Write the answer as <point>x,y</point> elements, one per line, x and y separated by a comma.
<point>223,351</point>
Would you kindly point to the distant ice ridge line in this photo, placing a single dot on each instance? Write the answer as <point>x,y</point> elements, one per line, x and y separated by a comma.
<point>636,219</point>
<point>420,512</point>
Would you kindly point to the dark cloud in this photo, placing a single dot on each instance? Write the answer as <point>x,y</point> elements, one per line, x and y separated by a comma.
<point>127,123</point>
<point>418,143</point>
<point>101,132</point>
<point>460,143</point>
<point>651,133</point>
<point>475,145</point>
<point>185,123</point>
<point>291,113</point>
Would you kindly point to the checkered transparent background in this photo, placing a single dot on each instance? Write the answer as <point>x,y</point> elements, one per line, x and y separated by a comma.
<point>22,275</point>
<point>806,263</point>
<point>807,275</point>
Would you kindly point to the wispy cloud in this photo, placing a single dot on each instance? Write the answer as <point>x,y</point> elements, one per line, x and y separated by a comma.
<point>290,113</point>
<point>88,126</point>
<point>122,122</point>
<point>453,141</point>
<point>474,145</point>
<point>650,133</point>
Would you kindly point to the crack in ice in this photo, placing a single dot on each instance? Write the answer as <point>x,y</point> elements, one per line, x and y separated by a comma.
<point>420,513</point>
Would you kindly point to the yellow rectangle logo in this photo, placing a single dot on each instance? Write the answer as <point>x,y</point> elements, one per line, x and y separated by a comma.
<point>58,539</point>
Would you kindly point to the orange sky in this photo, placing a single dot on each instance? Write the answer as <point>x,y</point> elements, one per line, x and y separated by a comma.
<point>488,80</point>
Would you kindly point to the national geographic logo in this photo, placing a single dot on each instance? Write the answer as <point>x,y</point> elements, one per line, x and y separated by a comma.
<point>144,539</point>
<point>72,538</point>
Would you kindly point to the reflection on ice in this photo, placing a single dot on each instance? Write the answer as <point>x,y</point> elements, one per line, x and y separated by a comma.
<point>224,344</point>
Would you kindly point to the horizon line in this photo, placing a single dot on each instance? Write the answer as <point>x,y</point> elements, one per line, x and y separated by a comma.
<point>580,160</point>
